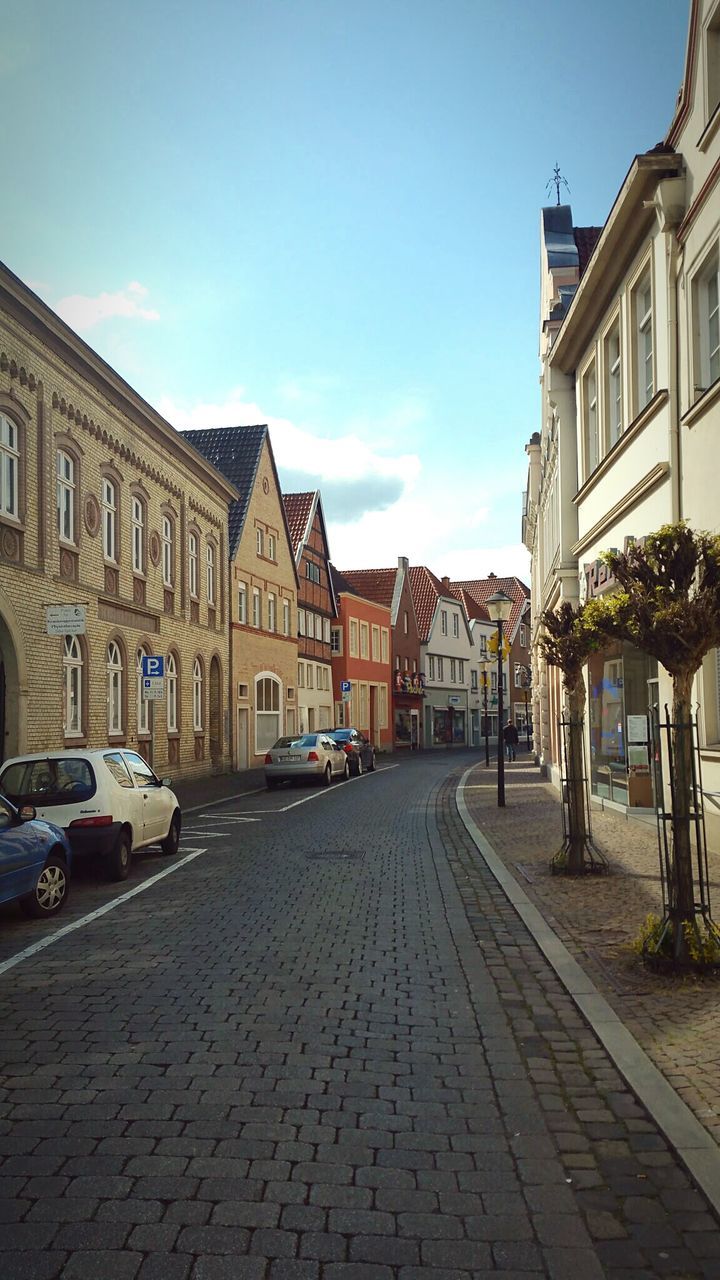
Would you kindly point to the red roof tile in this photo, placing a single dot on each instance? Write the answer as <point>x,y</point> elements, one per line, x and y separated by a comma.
<point>297,511</point>
<point>426,591</point>
<point>373,584</point>
<point>480,589</point>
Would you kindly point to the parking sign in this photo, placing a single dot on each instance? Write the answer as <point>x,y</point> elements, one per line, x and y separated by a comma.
<point>153,666</point>
<point>345,686</point>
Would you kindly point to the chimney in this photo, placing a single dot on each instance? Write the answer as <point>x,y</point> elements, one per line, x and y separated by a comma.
<point>403,563</point>
<point>446,585</point>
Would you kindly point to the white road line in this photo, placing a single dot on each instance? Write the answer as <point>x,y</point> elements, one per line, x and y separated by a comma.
<point>212,804</point>
<point>326,791</point>
<point>94,915</point>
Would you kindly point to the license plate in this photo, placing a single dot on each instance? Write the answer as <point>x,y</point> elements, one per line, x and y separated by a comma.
<point>295,756</point>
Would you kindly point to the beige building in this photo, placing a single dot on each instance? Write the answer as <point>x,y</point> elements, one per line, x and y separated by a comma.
<point>263,592</point>
<point>631,408</point>
<point>104,509</point>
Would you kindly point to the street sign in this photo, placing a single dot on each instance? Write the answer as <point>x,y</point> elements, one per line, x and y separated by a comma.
<point>345,686</point>
<point>346,695</point>
<point>454,700</point>
<point>65,619</point>
<point>153,688</point>
<point>153,666</point>
<point>492,645</point>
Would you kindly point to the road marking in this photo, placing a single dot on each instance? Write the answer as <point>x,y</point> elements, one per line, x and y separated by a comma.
<point>94,915</point>
<point>212,804</point>
<point>317,795</point>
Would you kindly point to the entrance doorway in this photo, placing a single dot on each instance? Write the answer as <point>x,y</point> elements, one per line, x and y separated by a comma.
<point>215,713</point>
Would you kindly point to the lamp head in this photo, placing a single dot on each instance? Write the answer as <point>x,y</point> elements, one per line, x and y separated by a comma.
<point>499,606</point>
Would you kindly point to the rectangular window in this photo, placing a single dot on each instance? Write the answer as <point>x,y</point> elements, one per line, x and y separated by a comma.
<point>590,419</point>
<point>483,646</point>
<point>518,675</point>
<point>272,611</point>
<point>613,367</point>
<point>310,624</point>
<point>642,305</point>
<point>440,671</point>
<point>707,325</point>
<point>452,671</point>
<point>336,640</point>
<point>384,644</point>
<point>713,64</point>
<point>523,637</point>
<point>193,563</point>
<point>271,546</point>
<point>473,680</point>
<point>319,681</point>
<point>286,617</point>
<point>9,467</point>
<point>242,602</point>
<point>138,535</point>
<point>326,630</point>
<point>443,621</point>
<point>168,552</point>
<point>456,625</point>
<point>364,640</point>
<point>375,641</point>
<point>301,622</point>
<point>65,496</point>
<point>431,666</point>
<point>259,542</point>
<point>210,574</point>
<point>353,638</point>
<point>382,705</point>
<point>309,675</point>
<point>109,520</point>
<point>257,607</point>
<point>405,621</point>
<point>461,671</point>
<point>301,675</point>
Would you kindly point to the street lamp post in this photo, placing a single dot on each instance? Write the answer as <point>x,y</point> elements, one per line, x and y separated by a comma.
<point>499,607</point>
<point>484,671</point>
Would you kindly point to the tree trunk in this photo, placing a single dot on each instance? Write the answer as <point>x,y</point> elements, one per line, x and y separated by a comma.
<point>681,891</point>
<point>577,826</point>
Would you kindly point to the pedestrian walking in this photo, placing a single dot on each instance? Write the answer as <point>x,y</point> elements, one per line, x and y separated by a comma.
<point>511,737</point>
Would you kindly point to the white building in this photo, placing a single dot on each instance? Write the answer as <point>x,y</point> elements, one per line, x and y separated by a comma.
<point>446,655</point>
<point>630,394</point>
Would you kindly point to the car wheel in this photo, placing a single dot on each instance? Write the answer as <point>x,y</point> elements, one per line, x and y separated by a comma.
<point>360,768</point>
<point>327,775</point>
<point>346,770</point>
<point>170,844</point>
<point>371,766</point>
<point>120,858</point>
<point>51,889</point>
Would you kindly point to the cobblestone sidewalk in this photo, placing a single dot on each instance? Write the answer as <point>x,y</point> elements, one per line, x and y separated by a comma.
<point>675,1020</point>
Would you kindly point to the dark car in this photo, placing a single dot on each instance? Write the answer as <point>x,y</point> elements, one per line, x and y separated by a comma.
<point>360,752</point>
<point>35,861</point>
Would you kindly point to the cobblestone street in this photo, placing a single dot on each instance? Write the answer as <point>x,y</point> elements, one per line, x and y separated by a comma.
<point>326,1048</point>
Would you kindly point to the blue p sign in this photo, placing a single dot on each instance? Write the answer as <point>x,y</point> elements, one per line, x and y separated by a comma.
<point>152,666</point>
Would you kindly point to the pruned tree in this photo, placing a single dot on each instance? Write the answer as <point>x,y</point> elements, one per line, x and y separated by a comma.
<point>668,605</point>
<point>567,643</point>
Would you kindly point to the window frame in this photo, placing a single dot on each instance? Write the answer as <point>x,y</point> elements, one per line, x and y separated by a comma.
<point>167,559</point>
<point>115,688</point>
<point>172,686</point>
<point>242,599</point>
<point>612,352</point>
<point>11,463</point>
<point>73,675</point>
<point>643,325</point>
<point>194,564</point>
<point>257,608</point>
<point>66,490</point>
<point>198,680</point>
<point>706,314</point>
<point>109,507</point>
<point>592,450</point>
<point>138,526</point>
<point>211,574</point>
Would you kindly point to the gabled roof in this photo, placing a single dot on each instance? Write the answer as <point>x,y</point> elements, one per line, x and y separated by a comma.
<point>373,584</point>
<point>235,452</point>
<point>299,512</point>
<point>426,591</point>
<point>344,583</point>
<point>480,589</point>
<point>473,609</point>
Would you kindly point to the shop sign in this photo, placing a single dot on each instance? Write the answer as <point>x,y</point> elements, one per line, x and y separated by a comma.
<point>596,577</point>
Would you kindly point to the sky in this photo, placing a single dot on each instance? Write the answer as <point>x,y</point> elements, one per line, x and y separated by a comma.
<point>324,215</point>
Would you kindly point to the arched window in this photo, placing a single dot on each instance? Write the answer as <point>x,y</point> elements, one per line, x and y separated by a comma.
<point>171,690</point>
<point>193,564</point>
<point>115,687</point>
<point>109,519</point>
<point>168,551</point>
<point>143,704</point>
<point>267,712</point>
<point>197,696</point>
<point>9,467</point>
<point>72,686</point>
<point>65,489</point>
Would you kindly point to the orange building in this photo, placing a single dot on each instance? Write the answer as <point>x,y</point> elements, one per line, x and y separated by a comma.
<point>361,659</point>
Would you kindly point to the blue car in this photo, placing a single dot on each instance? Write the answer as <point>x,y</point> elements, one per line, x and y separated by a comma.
<point>35,861</point>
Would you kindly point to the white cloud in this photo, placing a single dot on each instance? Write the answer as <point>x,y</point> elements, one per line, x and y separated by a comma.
<point>443,517</point>
<point>82,312</point>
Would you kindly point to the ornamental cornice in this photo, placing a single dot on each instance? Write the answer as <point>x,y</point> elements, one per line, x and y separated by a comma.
<point>205,512</point>
<point>11,366</point>
<point>114,445</point>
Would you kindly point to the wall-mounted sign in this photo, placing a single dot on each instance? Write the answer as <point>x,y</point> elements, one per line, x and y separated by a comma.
<point>153,688</point>
<point>637,729</point>
<point>454,700</point>
<point>65,619</point>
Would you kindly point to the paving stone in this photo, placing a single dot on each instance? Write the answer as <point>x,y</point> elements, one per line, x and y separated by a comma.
<point>91,1264</point>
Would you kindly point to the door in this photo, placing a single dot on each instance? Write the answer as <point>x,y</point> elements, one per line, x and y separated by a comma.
<point>19,855</point>
<point>241,761</point>
<point>157,803</point>
<point>414,730</point>
<point>215,713</point>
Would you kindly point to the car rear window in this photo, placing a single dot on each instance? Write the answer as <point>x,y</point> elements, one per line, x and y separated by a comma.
<point>341,735</point>
<point>48,782</point>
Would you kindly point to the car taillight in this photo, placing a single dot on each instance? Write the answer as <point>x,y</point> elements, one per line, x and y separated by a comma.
<point>348,748</point>
<point>268,758</point>
<point>102,820</point>
<point>313,755</point>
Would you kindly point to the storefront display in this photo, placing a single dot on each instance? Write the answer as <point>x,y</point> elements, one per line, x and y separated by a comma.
<point>618,719</point>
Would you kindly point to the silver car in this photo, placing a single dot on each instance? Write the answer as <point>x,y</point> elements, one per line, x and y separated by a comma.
<point>309,755</point>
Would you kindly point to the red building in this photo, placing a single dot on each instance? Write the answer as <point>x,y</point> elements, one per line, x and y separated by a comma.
<point>391,587</point>
<point>361,659</point>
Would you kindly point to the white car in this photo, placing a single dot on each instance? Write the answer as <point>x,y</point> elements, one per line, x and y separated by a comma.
<point>309,755</point>
<point>108,802</point>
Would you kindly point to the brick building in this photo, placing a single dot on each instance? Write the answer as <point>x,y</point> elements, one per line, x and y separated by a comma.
<point>316,610</point>
<point>104,507</point>
<point>361,657</point>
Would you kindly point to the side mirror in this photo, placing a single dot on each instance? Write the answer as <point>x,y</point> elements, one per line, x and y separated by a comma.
<point>27,813</point>
<point>166,782</point>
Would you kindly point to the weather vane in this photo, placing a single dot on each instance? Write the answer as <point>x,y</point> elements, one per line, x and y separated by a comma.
<point>556,181</point>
